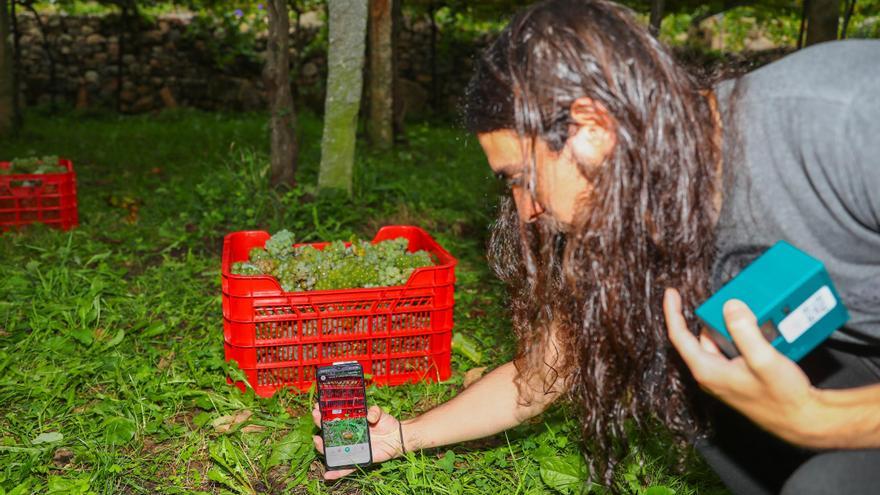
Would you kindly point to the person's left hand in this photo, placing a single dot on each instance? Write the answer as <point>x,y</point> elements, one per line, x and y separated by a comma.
<point>761,383</point>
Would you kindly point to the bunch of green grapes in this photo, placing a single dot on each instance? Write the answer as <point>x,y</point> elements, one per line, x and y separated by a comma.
<point>35,165</point>
<point>337,266</point>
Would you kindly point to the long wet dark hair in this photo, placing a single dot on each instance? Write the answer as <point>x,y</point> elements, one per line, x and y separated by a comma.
<point>647,225</point>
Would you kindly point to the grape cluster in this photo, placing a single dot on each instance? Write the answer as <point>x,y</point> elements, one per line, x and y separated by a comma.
<point>360,265</point>
<point>35,165</point>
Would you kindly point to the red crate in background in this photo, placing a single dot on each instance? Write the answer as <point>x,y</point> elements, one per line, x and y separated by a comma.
<point>398,334</point>
<point>45,198</point>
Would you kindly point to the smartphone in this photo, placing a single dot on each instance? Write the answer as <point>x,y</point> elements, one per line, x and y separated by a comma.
<point>342,400</point>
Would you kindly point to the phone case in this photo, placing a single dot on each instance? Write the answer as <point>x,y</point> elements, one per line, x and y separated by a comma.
<point>347,398</point>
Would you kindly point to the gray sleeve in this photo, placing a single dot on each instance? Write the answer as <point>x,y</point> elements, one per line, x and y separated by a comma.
<point>861,140</point>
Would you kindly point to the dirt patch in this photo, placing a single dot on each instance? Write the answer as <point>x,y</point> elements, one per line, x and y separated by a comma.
<point>62,457</point>
<point>425,404</point>
<point>151,447</point>
<point>185,418</point>
<point>276,480</point>
<point>166,360</point>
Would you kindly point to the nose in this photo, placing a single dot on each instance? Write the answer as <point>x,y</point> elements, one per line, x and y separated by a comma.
<point>529,209</point>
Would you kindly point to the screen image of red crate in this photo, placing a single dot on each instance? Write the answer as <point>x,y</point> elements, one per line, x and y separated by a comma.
<point>38,198</point>
<point>343,399</point>
<point>398,334</point>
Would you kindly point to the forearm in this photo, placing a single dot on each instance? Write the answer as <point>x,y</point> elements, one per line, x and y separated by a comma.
<point>487,407</point>
<point>846,419</point>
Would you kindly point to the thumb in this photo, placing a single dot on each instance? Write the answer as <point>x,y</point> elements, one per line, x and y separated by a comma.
<point>743,327</point>
<point>374,414</point>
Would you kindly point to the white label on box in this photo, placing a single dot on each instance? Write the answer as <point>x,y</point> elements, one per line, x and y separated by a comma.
<point>807,314</point>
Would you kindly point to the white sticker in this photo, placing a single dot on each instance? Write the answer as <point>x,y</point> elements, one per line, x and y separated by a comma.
<point>807,314</point>
<point>336,411</point>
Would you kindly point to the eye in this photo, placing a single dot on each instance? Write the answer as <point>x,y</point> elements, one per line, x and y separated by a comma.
<point>515,180</point>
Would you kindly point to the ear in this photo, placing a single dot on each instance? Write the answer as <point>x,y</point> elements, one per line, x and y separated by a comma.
<point>593,134</point>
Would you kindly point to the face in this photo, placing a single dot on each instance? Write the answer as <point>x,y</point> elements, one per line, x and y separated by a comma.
<point>560,186</point>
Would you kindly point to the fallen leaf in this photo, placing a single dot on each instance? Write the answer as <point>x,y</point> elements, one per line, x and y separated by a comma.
<point>166,360</point>
<point>225,423</point>
<point>473,375</point>
<point>253,429</point>
<point>49,437</point>
<point>316,470</point>
<point>3,332</point>
<point>133,215</point>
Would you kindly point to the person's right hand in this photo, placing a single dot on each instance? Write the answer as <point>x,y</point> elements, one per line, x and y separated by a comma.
<point>384,438</point>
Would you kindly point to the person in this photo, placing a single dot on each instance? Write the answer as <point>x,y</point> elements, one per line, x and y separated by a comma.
<point>635,194</point>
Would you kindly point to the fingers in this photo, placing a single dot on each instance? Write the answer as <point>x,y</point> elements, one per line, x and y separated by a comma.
<point>683,340</point>
<point>335,475</point>
<point>708,344</point>
<point>316,415</point>
<point>711,370</point>
<point>374,414</point>
<point>760,356</point>
<point>329,475</point>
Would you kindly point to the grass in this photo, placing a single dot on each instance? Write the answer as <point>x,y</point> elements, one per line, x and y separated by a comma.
<point>112,377</point>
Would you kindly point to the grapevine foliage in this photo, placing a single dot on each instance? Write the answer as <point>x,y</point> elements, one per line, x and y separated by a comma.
<point>360,265</point>
<point>34,165</point>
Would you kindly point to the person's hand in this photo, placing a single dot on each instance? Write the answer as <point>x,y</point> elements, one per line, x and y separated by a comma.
<point>761,383</point>
<point>384,438</point>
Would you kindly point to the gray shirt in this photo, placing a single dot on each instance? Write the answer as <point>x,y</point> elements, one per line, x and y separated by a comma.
<point>803,165</point>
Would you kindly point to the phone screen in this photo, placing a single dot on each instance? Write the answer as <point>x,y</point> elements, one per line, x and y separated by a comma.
<point>342,400</point>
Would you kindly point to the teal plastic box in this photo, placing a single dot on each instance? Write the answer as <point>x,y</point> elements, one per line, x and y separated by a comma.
<point>792,296</point>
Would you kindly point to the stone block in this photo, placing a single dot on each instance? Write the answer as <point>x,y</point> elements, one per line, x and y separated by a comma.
<point>143,104</point>
<point>95,39</point>
<point>152,37</point>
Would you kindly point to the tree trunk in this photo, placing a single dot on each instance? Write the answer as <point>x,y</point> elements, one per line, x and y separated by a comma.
<point>282,117</point>
<point>297,61</point>
<point>120,67</point>
<point>850,8</point>
<point>803,29</point>
<point>7,73</point>
<point>657,11</point>
<point>345,62</point>
<point>18,104</point>
<point>432,11</point>
<point>381,74</point>
<point>396,98</point>
<point>822,17</point>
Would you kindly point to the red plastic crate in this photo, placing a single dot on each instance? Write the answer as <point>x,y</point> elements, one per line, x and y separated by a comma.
<point>45,198</point>
<point>398,334</point>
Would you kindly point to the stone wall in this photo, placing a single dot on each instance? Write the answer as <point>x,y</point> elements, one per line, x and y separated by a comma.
<point>167,62</point>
